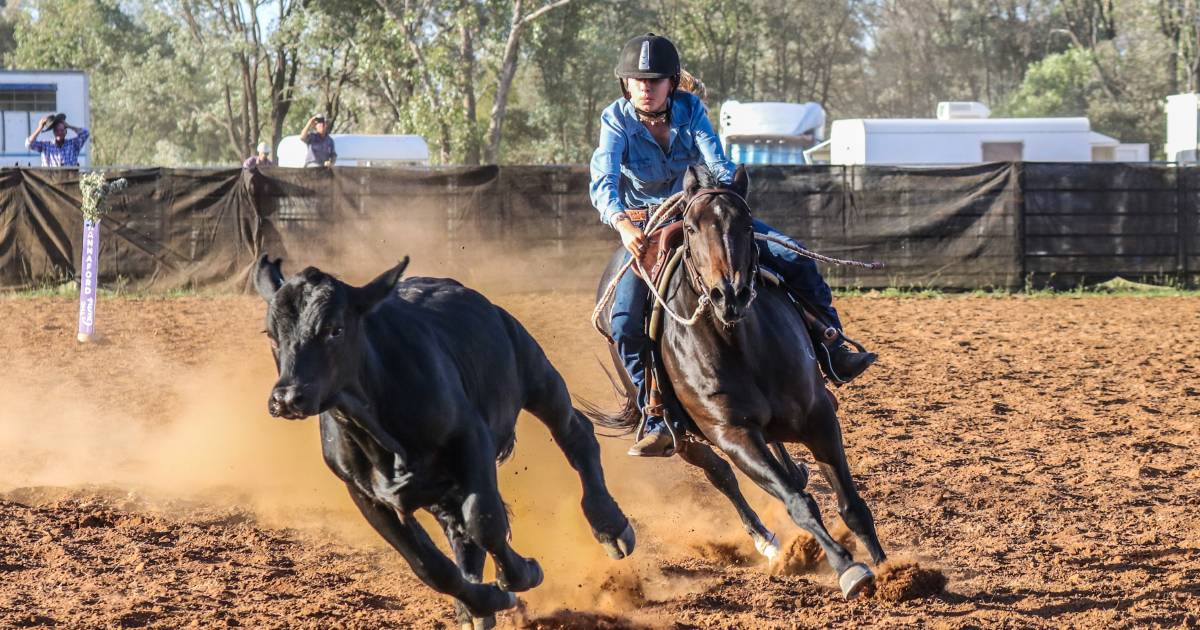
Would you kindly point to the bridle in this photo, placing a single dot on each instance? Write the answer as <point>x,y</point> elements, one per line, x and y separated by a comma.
<point>693,276</point>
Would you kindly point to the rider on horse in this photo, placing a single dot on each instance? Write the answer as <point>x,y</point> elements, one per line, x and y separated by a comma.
<point>648,139</point>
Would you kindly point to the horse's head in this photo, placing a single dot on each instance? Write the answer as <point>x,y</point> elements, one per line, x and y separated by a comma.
<point>316,326</point>
<point>719,237</point>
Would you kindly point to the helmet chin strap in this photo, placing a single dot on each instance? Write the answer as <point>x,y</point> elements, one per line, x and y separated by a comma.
<point>665,114</point>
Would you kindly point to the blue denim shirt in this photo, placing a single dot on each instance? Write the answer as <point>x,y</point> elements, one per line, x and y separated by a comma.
<point>630,169</point>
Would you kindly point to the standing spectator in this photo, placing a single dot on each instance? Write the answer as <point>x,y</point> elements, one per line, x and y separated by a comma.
<point>320,146</point>
<point>262,158</point>
<point>60,151</point>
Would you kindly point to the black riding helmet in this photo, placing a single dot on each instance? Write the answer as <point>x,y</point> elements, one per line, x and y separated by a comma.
<point>648,56</point>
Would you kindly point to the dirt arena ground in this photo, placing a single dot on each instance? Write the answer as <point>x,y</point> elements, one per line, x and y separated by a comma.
<point>1044,453</point>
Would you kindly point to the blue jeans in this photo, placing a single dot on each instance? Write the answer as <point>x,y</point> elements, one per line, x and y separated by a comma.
<point>632,295</point>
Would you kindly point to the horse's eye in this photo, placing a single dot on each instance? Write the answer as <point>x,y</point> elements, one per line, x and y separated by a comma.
<point>689,229</point>
<point>335,331</point>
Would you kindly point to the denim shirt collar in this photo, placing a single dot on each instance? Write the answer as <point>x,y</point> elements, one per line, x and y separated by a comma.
<point>680,119</point>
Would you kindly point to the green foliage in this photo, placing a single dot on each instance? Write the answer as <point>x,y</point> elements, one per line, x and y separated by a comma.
<point>175,83</point>
<point>95,190</point>
<point>1062,84</point>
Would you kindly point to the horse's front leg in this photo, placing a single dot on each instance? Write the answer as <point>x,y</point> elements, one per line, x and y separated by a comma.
<point>750,453</point>
<point>830,453</point>
<point>720,475</point>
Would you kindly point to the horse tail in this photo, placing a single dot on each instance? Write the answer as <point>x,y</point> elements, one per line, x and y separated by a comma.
<point>625,420</point>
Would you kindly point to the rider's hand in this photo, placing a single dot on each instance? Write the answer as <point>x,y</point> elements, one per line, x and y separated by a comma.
<point>632,237</point>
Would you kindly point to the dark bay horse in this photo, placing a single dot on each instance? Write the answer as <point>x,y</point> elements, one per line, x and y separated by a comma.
<point>418,384</point>
<point>746,375</point>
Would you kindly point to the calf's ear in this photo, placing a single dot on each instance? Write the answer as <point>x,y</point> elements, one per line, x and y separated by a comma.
<point>365,298</point>
<point>268,276</point>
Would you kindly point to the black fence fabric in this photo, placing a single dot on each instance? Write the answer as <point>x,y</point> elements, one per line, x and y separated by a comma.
<point>1132,220</point>
<point>998,225</point>
<point>169,228</point>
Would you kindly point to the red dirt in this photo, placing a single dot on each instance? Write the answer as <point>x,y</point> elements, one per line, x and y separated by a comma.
<point>1044,454</point>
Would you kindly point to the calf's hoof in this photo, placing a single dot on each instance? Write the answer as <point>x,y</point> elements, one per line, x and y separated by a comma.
<point>479,623</point>
<point>488,600</point>
<point>622,546</point>
<point>854,579</point>
<point>532,578</point>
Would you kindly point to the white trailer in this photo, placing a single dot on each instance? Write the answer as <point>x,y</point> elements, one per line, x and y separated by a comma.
<point>1183,130</point>
<point>963,134</point>
<point>360,150</point>
<point>770,133</point>
<point>28,95</point>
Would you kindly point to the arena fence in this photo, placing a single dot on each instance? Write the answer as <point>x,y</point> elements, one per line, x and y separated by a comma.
<point>997,225</point>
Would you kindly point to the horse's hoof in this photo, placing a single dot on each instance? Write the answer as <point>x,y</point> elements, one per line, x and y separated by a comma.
<point>854,579</point>
<point>768,547</point>
<point>623,546</point>
<point>533,578</point>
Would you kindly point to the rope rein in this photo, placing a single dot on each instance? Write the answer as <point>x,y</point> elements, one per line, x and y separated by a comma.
<point>818,257</point>
<point>656,220</point>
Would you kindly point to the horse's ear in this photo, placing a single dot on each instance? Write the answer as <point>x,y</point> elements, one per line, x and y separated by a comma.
<point>741,182</point>
<point>365,298</point>
<point>268,276</point>
<point>691,182</point>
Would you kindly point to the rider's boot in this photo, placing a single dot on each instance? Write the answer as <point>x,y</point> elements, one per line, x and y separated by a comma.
<point>846,364</point>
<point>657,440</point>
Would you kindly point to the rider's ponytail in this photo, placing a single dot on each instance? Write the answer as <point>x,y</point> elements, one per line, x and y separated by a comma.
<point>690,83</point>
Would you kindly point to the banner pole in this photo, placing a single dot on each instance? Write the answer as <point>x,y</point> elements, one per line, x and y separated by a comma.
<point>88,270</point>
<point>95,189</point>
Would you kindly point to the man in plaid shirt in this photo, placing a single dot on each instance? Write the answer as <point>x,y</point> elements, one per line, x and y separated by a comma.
<point>59,152</point>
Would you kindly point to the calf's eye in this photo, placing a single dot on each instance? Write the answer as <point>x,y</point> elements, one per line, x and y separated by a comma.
<point>335,332</point>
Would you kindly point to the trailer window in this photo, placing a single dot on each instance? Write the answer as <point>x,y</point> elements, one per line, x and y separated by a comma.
<point>28,98</point>
<point>1003,151</point>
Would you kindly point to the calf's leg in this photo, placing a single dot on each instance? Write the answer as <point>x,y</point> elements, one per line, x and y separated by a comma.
<point>470,558</point>
<point>551,403</point>
<point>433,568</point>
<point>483,509</point>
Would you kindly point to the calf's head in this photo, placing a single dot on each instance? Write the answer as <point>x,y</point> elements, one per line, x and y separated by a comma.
<point>315,324</point>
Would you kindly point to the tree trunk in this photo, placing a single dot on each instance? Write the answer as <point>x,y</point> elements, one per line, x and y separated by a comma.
<point>508,70</point>
<point>467,53</point>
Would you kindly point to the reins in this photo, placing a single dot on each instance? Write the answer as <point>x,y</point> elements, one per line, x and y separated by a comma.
<point>659,218</point>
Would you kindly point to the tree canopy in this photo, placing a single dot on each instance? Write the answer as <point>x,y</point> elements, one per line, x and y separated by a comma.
<point>200,82</point>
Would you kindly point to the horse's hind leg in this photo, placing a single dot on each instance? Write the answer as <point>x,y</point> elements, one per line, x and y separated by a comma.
<point>831,458</point>
<point>484,513</point>
<point>427,561</point>
<point>749,451</point>
<point>470,558</point>
<point>720,475</point>
<point>551,403</point>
